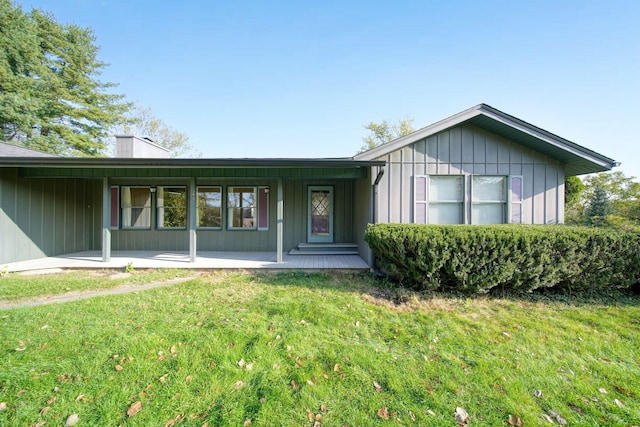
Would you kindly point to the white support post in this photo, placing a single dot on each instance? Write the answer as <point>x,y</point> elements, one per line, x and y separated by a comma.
<point>106,220</point>
<point>192,220</point>
<point>279,221</point>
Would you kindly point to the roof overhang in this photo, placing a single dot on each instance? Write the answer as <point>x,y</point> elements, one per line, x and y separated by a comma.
<point>578,160</point>
<point>91,167</point>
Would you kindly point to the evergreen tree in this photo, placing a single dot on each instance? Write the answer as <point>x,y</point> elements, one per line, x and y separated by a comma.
<point>599,207</point>
<point>50,97</point>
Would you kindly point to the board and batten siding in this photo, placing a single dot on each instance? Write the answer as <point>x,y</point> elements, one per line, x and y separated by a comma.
<point>469,150</point>
<point>47,217</point>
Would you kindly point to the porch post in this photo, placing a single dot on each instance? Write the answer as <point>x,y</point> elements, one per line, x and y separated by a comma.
<point>106,220</point>
<point>192,220</point>
<point>279,221</point>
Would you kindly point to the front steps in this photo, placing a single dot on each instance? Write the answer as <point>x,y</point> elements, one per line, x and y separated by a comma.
<point>325,249</point>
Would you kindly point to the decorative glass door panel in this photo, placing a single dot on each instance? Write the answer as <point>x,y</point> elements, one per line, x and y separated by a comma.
<point>320,220</point>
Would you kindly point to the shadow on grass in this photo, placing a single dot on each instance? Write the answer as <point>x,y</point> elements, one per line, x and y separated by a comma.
<point>383,288</point>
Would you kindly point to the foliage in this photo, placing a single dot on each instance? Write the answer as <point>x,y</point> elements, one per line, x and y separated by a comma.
<point>476,259</point>
<point>607,194</point>
<point>599,207</point>
<point>573,193</point>
<point>291,349</point>
<point>384,132</point>
<point>51,97</point>
<point>144,123</point>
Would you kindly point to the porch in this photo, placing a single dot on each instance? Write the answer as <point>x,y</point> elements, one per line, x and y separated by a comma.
<point>204,261</point>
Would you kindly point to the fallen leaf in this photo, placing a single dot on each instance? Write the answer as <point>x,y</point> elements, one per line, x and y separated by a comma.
<point>317,424</point>
<point>430,412</point>
<point>119,368</point>
<point>576,408</point>
<point>558,418</point>
<point>537,393</point>
<point>515,420</point>
<point>294,384</point>
<point>188,378</point>
<point>383,413</point>
<point>56,389</point>
<point>623,390</point>
<point>39,424</point>
<point>323,408</point>
<point>619,403</point>
<point>81,397</point>
<point>547,418</point>
<point>3,406</point>
<point>377,386</point>
<point>72,420</point>
<point>51,400</point>
<point>336,367</point>
<point>44,410</point>
<point>241,363</point>
<point>173,349</point>
<point>412,416</point>
<point>134,408</point>
<point>238,385</point>
<point>247,422</point>
<point>602,390</point>
<point>461,416</point>
<point>318,417</point>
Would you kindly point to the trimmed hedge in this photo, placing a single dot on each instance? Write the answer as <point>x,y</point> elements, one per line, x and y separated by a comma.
<point>476,259</point>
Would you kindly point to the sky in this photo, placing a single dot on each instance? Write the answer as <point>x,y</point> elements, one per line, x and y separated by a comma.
<point>260,78</point>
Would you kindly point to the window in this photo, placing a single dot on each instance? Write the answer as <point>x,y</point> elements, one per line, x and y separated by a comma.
<point>210,207</point>
<point>516,199</point>
<point>172,207</point>
<point>489,200</point>
<point>136,207</point>
<point>439,199</point>
<point>241,207</point>
<point>248,208</point>
<point>442,199</point>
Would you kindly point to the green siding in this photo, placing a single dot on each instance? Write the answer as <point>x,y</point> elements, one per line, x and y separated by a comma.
<point>41,218</point>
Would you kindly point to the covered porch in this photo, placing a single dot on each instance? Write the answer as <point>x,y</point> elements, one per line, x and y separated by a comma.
<point>204,261</point>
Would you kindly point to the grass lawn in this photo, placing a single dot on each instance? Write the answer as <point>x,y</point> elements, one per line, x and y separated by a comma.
<point>295,349</point>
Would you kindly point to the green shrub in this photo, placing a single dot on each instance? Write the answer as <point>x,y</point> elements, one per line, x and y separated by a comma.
<point>476,259</point>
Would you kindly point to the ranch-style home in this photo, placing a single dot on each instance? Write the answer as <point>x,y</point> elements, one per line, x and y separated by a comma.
<point>479,166</point>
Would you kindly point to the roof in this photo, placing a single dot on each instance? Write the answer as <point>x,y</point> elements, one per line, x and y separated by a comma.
<point>578,160</point>
<point>108,162</point>
<point>12,150</point>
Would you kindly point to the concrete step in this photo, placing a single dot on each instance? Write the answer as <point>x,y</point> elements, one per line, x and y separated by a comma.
<point>325,249</point>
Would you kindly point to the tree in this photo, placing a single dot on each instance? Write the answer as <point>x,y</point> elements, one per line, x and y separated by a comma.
<point>573,190</point>
<point>384,132</point>
<point>51,98</point>
<point>142,122</point>
<point>622,194</point>
<point>599,207</point>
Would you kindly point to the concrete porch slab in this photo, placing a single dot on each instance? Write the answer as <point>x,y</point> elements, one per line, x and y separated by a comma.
<point>204,261</point>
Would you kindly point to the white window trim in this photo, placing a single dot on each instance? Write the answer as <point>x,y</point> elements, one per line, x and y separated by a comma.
<point>427,200</point>
<point>511,202</point>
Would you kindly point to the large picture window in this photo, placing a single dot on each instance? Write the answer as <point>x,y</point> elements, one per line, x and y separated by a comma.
<point>136,207</point>
<point>172,207</point>
<point>210,207</point>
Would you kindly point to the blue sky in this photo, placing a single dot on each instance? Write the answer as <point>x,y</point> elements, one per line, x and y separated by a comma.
<point>300,79</point>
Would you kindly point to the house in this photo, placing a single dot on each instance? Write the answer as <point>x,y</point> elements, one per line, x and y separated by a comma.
<point>478,166</point>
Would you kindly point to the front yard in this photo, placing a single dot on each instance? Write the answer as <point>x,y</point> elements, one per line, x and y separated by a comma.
<point>298,349</point>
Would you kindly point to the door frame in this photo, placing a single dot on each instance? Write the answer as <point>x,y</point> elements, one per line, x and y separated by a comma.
<point>313,238</point>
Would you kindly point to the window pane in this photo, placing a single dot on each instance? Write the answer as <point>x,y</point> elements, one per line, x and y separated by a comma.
<point>136,207</point>
<point>516,189</point>
<point>489,188</point>
<point>172,211</point>
<point>445,213</point>
<point>421,213</point>
<point>487,213</point>
<point>516,213</point>
<point>242,207</point>
<point>210,207</point>
<point>445,188</point>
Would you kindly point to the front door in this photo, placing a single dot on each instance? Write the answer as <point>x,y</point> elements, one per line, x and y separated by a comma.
<point>320,218</point>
